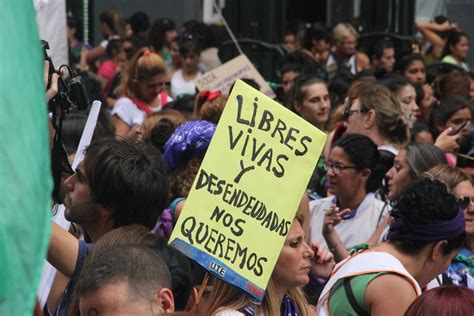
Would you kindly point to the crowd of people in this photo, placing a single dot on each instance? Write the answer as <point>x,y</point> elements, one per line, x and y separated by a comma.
<point>385,226</point>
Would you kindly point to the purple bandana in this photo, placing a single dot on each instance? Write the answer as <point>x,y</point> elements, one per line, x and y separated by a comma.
<point>189,139</point>
<point>441,230</point>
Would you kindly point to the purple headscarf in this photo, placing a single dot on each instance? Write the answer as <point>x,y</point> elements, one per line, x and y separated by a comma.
<point>440,230</point>
<point>189,140</point>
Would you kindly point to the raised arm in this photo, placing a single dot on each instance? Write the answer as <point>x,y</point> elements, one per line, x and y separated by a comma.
<point>332,217</point>
<point>95,54</point>
<point>430,32</point>
<point>63,250</point>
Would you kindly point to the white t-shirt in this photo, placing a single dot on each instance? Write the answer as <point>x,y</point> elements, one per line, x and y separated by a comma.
<point>180,86</point>
<point>128,112</point>
<point>353,231</point>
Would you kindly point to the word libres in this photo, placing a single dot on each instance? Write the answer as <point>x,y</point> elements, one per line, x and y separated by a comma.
<point>258,153</point>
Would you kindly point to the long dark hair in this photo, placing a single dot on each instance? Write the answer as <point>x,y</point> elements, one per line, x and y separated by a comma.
<point>404,61</point>
<point>453,38</point>
<point>443,110</point>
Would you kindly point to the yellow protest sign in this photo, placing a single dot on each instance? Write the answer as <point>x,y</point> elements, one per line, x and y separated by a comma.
<point>248,189</point>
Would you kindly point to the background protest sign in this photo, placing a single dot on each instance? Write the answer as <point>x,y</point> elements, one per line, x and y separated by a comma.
<point>248,189</point>
<point>223,77</point>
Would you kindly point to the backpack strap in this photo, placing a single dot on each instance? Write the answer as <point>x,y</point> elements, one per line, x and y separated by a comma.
<point>352,300</point>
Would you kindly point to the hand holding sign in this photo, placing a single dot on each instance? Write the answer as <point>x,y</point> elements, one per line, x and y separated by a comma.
<point>248,189</point>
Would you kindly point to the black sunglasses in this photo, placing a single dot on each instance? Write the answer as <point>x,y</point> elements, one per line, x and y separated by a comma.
<point>464,201</point>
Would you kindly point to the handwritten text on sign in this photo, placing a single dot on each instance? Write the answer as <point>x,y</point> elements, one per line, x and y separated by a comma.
<point>246,193</point>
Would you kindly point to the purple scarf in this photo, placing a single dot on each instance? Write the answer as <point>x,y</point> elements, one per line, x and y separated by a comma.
<point>401,229</point>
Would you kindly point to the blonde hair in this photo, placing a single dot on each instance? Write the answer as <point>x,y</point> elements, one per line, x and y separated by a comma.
<point>225,296</point>
<point>450,176</point>
<point>273,304</point>
<point>391,122</point>
<point>358,86</point>
<point>342,30</point>
<point>143,66</point>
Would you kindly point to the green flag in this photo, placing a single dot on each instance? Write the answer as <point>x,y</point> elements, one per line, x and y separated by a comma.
<point>25,181</point>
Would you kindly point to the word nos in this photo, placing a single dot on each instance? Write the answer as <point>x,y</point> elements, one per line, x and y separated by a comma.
<point>259,153</point>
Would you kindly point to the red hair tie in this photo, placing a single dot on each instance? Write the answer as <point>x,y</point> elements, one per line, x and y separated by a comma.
<point>146,52</point>
<point>209,96</point>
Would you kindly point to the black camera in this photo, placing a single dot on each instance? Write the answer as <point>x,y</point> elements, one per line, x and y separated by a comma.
<point>71,93</point>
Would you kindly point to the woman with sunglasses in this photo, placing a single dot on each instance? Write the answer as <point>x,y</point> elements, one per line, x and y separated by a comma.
<point>461,270</point>
<point>142,89</point>
<point>354,174</point>
<point>377,114</point>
